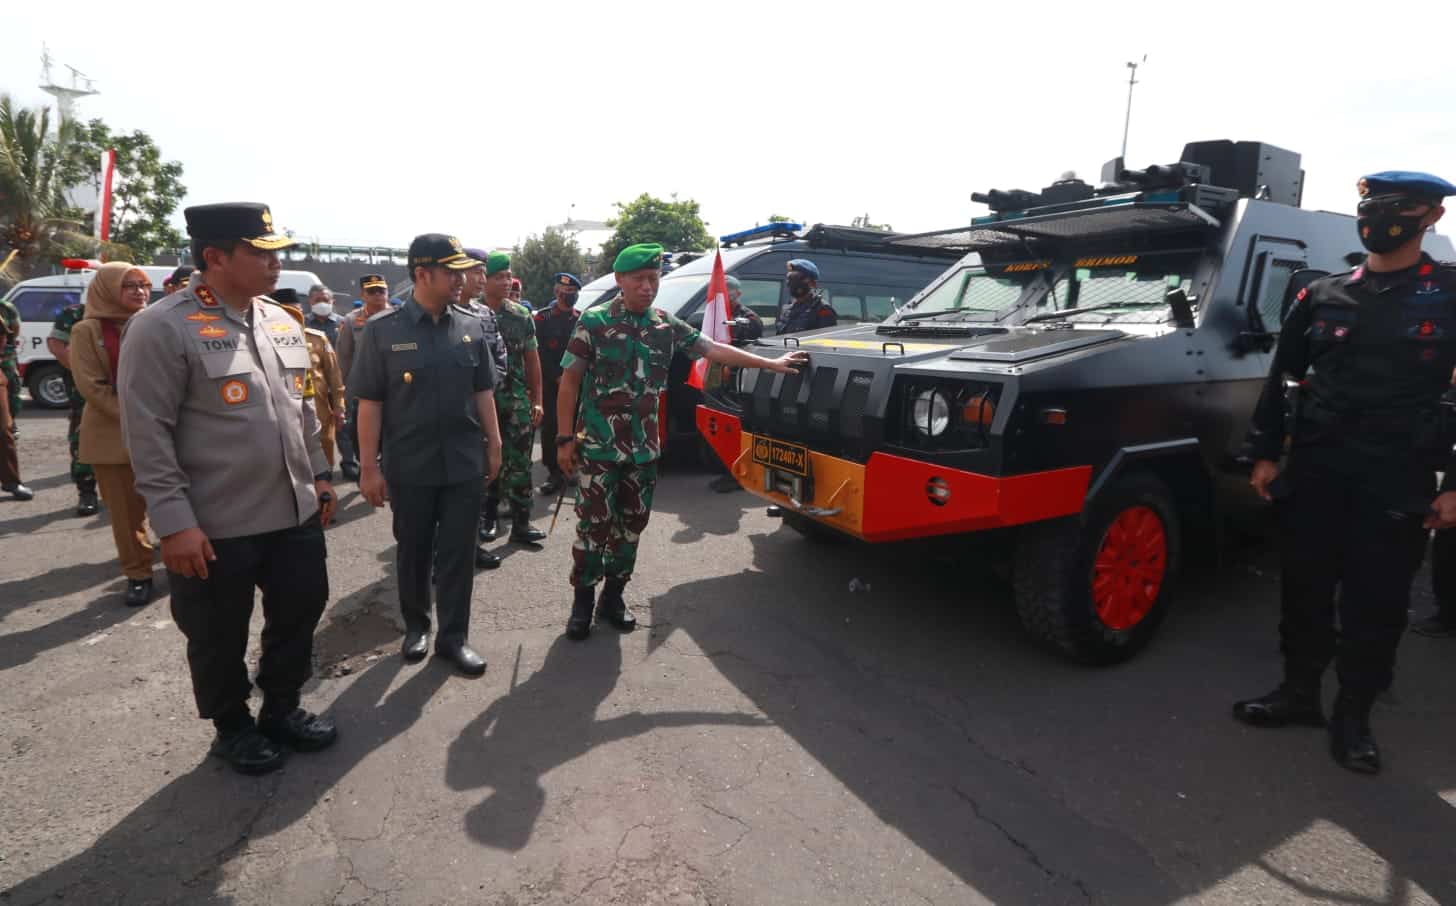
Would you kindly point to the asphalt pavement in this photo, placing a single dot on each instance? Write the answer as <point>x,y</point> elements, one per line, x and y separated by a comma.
<point>768,736</point>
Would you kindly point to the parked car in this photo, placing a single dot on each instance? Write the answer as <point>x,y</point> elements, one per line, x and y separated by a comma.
<point>39,300</point>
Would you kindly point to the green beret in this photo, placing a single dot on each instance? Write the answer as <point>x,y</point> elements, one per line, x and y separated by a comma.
<point>496,262</point>
<point>636,257</point>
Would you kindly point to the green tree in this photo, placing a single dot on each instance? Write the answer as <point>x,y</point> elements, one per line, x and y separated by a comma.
<point>32,210</point>
<point>676,224</point>
<point>145,189</point>
<point>780,218</point>
<point>540,258</point>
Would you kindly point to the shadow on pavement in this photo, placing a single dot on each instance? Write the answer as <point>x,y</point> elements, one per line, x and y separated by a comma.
<point>1021,772</point>
<point>57,583</point>
<point>172,847</point>
<point>104,612</point>
<point>684,498</point>
<point>543,723</point>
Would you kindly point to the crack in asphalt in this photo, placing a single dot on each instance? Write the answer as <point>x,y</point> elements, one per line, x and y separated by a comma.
<point>1022,845</point>
<point>747,828</point>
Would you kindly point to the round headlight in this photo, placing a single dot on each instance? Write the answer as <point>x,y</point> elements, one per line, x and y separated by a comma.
<point>931,413</point>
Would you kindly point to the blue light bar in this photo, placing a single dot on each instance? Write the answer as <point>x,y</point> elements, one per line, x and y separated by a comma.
<point>785,228</point>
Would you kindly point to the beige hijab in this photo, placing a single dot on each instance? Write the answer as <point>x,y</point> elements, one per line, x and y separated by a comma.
<point>103,296</point>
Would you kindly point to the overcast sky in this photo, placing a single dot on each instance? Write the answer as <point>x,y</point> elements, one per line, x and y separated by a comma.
<point>367,122</point>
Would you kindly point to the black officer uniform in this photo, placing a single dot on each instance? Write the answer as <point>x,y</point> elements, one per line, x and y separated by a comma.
<point>426,373</point>
<point>1375,353</point>
<point>807,310</point>
<point>554,328</point>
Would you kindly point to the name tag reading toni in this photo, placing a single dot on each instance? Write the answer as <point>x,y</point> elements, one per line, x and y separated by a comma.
<point>403,347</point>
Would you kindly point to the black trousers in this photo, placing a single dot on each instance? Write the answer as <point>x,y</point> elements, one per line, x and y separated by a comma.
<point>1336,535</point>
<point>1443,574</point>
<point>290,567</point>
<point>548,426</point>
<point>349,437</point>
<point>435,525</point>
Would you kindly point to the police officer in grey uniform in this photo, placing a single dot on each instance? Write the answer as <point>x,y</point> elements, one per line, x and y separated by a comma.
<point>226,452</point>
<point>375,290</point>
<point>424,379</point>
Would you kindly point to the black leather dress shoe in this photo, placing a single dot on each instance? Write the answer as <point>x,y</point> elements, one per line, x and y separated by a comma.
<point>138,592</point>
<point>87,504</point>
<point>416,646</point>
<point>484,559</point>
<point>1352,745</point>
<point>552,487</point>
<point>300,730</point>
<point>248,751</point>
<point>612,609</point>
<point>578,626</point>
<point>1284,707</point>
<point>463,657</point>
<point>19,492</point>
<point>775,511</point>
<point>525,533</point>
<point>489,528</point>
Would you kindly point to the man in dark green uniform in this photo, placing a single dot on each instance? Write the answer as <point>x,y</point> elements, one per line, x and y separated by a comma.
<point>59,344</point>
<point>517,401</point>
<point>9,458</point>
<point>617,365</point>
<point>425,382</point>
<point>554,326</point>
<point>1374,349</point>
<point>9,358</point>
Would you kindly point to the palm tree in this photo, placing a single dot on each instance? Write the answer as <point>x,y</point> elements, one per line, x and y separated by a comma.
<point>32,206</point>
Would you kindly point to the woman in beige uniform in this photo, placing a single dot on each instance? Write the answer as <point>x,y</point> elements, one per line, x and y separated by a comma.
<point>117,292</point>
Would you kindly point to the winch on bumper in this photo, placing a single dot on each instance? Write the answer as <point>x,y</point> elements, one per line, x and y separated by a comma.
<point>888,497</point>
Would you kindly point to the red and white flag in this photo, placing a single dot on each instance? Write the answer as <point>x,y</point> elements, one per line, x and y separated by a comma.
<point>103,204</point>
<point>715,319</point>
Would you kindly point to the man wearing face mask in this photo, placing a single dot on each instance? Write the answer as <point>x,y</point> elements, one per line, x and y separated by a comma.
<point>554,326</point>
<point>321,312</point>
<point>808,310</point>
<point>1374,349</point>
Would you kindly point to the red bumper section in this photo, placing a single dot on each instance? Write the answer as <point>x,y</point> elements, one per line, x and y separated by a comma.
<point>892,498</point>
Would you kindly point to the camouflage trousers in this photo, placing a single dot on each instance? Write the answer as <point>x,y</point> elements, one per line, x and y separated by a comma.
<point>513,484</point>
<point>12,386</point>
<point>81,473</point>
<point>613,504</point>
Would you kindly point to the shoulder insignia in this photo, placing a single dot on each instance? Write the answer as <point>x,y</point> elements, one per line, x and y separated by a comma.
<point>387,313</point>
<point>313,332</point>
<point>205,297</point>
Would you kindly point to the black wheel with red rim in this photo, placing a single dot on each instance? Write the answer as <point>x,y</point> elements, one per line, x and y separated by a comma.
<point>1097,586</point>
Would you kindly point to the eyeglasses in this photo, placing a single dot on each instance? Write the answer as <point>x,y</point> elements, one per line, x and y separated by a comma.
<point>133,286</point>
<point>374,289</point>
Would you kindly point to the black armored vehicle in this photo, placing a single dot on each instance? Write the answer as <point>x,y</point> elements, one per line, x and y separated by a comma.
<point>1077,387</point>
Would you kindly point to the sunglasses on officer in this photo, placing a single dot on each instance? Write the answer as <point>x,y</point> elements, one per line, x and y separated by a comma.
<point>1396,204</point>
<point>374,291</point>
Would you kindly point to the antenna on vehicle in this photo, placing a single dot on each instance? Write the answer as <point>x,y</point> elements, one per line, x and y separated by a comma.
<point>1127,119</point>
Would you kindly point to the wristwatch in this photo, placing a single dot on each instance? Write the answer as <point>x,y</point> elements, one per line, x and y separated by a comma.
<point>564,439</point>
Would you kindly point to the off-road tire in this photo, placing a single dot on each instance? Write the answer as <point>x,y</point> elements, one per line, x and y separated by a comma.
<point>1054,568</point>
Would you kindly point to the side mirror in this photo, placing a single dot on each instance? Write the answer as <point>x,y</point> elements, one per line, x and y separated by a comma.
<point>1182,308</point>
<point>695,320</point>
<point>1299,281</point>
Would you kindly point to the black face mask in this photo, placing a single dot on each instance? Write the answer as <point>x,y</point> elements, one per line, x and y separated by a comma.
<point>798,286</point>
<point>1384,230</point>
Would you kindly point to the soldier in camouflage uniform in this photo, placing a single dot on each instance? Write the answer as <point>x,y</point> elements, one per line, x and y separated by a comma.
<point>59,343</point>
<point>517,399</point>
<point>9,352</point>
<point>617,364</point>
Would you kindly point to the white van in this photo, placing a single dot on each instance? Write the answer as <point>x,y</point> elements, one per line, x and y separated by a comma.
<point>41,299</point>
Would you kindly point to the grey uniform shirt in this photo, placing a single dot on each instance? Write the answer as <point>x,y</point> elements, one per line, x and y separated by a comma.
<point>349,334</point>
<point>212,411</point>
<point>493,340</point>
<point>426,374</point>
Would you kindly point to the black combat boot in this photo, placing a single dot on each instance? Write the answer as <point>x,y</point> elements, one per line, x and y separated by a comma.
<point>490,520</point>
<point>1291,705</point>
<point>87,503</point>
<point>579,626</point>
<point>522,532</point>
<point>245,750</point>
<point>1351,743</point>
<point>553,484</point>
<point>296,728</point>
<point>612,609</point>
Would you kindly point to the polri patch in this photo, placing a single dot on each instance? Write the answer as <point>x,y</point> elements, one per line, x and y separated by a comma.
<point>234,393</point>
